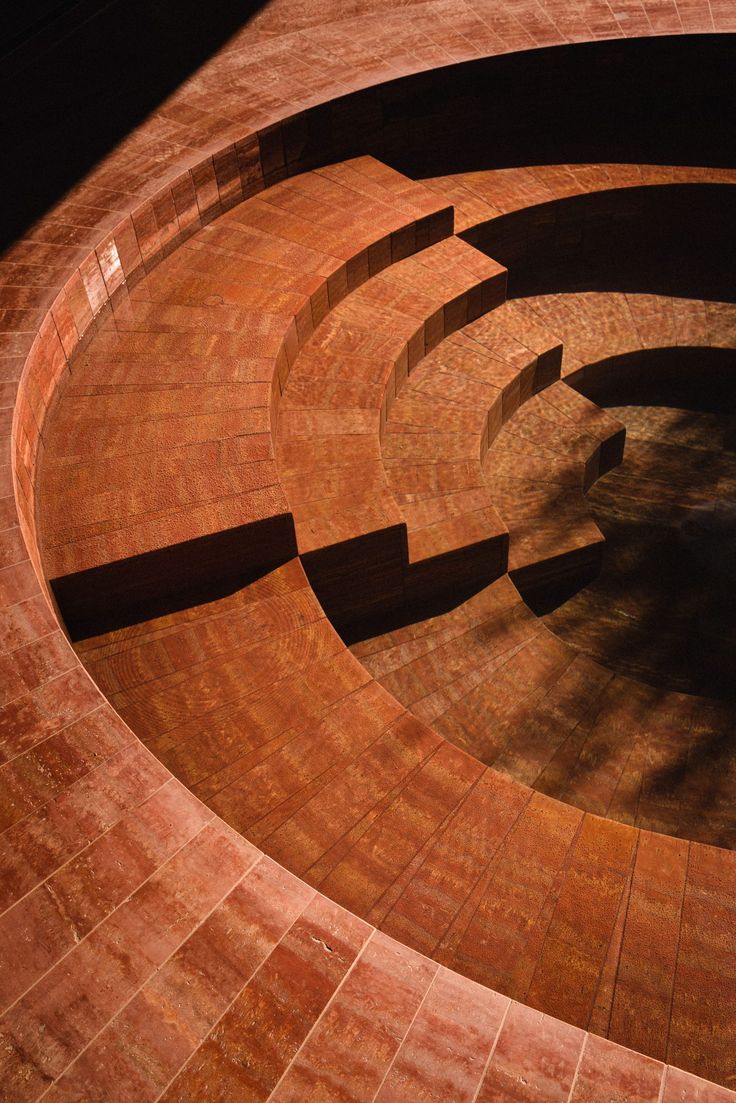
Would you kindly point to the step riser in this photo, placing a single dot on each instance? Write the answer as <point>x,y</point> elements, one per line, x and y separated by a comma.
<point>104,598</point>
<point>370,579</point>
<point>543,583</point>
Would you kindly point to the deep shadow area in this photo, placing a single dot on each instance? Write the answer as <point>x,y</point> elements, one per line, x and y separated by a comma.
<point>127,591</point>
<point>402,614</point>
<point>79,77</point>
<point>673,239</point>
<point>24,25</point>
<point>85,78</point>
<point>692,378</point>
<point>665,100</point>
<point>663,609</point>
<point>367,585</point>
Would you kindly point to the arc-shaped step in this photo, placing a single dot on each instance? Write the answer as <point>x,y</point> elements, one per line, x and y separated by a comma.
<point>538,469</point>
<point>494,680</point>
<point>487,194</point>
<point>161,444</point>
<point>496,210</point>
<point>438,432</point>
<point>260,667</point>
<point>471,432</point>
<point>255,704</point>
<point>333,413</point>
<point>598,325</point>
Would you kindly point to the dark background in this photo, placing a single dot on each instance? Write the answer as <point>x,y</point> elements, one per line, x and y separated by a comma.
<point>673,239</point>
<point>76,77</point>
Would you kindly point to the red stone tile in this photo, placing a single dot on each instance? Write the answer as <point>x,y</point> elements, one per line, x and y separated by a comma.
<point>535,1058</point>
<point>619,1073</point>
<point>147,231</point>
<point>227,174</point>
<point>205,186</point>
<point>78,302</point>
<point>360,870</point>
<point>145,1046</point>
<point>288,992</point>
<point>648,955</point>
<point>387,975</point>
<point>126,243</point>
<point>34,848</point>
<point>445,1051</point>
<point>682,1087</point>
<point>65,325</point>
<point>38,776</point>
<point>136,939</point>
<point>90,886</point>
<point>93,281</point>
<point>250,169</point>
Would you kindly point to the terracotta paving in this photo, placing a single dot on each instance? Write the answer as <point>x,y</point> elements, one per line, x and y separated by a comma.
<point>335,407</point>
<point>667,515</point>
<point>497,682</point>
<point>150,951</point>
<point>176,395</point>
<point>538,469</point>
<point>287,737</point>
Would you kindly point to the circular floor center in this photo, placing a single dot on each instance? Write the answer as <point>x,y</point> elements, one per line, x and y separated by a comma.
<point>663,608</point>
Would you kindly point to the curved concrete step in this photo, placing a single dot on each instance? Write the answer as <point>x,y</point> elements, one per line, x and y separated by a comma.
<point>258,708</point>
<point>538,469</point>
<point>333,414</point>
<point>160,448</point>
<point>492,679</point>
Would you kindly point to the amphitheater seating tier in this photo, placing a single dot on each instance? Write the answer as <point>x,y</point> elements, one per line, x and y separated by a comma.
<point>328,763</point>
<point>438,431</point>
<point>479,197</point>
<point>537,469</point>
<point>150,951</point>
<point>255,705</point>
<point>163,435</point>
<point>334,411</point>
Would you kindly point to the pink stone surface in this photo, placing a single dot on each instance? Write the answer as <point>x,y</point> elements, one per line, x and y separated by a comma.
<point>148,950</point>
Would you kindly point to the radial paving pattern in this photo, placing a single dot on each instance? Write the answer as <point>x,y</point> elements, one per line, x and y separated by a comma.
<point>302,402</point>
<point>254,703</point>
<point>668,513</point>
